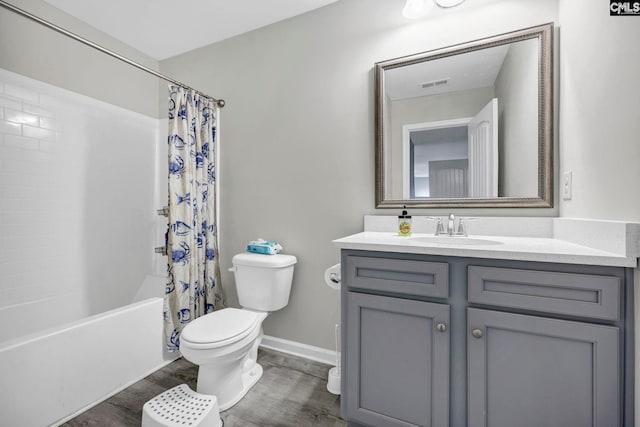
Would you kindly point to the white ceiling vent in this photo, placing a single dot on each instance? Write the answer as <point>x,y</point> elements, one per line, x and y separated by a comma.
<point>434,83</point>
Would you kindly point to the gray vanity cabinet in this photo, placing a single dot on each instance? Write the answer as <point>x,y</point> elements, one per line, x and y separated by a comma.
<point>461,342</point>
<point>397,350</point>
<point>530,371</point>
<point>401,349</point>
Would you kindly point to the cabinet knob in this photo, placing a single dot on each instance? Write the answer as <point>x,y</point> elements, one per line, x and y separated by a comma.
<point>477,333</point>
<point>441,327</point>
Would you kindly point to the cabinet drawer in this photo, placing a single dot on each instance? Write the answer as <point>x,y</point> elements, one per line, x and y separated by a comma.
<point>546,292</point>
<point>398,275</point>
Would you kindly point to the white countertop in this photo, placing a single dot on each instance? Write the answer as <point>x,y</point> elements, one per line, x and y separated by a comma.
<point>523,248</point>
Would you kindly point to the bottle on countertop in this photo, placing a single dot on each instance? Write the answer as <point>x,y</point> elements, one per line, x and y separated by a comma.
<point>404,223</point>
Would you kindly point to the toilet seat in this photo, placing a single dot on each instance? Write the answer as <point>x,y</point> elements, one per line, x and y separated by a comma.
<point>220,328</point>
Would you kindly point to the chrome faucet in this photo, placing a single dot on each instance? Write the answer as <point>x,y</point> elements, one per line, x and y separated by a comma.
<point>451,224</point>
<point>451,229</point>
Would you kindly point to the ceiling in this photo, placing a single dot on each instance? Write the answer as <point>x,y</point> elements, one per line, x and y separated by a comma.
<point>472,70</point>
<point>166,28</point>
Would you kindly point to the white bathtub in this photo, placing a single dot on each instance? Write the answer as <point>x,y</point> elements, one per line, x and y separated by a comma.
<point>49,377</point>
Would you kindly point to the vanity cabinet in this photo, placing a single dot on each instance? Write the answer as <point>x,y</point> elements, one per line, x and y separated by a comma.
<point>450,341</point>
<point>530,371</point>
<point>535,371</point>
<point>401,348</point>
<point>399,345</point>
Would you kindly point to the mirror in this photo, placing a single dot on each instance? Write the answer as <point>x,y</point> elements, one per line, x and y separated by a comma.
<point>469,125</point>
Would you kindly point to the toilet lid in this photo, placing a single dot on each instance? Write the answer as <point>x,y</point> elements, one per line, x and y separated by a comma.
<point>219,326</point>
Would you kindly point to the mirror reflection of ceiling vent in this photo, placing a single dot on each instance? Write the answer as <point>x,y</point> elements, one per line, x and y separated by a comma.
<point>434,83</point>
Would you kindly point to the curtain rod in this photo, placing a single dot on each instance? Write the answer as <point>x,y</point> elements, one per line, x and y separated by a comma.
<point>24,13</point>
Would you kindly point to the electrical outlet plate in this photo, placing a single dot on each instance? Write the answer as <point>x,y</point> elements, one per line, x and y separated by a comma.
<point>567,179</point>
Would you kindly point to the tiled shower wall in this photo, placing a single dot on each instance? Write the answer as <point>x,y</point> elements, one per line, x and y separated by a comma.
<point>78,193</point>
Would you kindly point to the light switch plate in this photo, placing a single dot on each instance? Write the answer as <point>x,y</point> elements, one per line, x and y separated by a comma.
<point>567,179</point>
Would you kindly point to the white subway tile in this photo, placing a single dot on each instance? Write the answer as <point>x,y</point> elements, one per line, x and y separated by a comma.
<point>48,123</point>
<point>23,293</point>
<point>20,117</point>
<point>41,157</point>
<point>37,110</point>
<point>56,102</point>
<point>13,258</point>
<point>21,92</point>
<point>46,146</point>
<point>39,133</point>
<point>44,192</point>
<point>10,128</point>
<point>10,232</point>
<point>13,217</point>
<point>9,154</point>
<point>19,217</point>
<point>13,192</point>
<point>20,142</point>
<point>10,103</point>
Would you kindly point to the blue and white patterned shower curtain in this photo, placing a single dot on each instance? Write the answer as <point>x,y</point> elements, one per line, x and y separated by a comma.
<point>193,285</point>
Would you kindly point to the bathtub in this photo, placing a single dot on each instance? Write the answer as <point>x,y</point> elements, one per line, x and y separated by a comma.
<point>49,377</point>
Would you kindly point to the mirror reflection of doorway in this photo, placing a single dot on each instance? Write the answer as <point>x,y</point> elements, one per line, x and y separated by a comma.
<point>439,162</point>
<point>452,158</point>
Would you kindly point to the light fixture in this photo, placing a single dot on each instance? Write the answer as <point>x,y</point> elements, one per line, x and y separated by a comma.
<point>449,3</point>
<point>415,9</point>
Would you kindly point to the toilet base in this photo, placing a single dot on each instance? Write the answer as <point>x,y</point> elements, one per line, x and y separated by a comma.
<point>249,379</point>
<point>230,376</point>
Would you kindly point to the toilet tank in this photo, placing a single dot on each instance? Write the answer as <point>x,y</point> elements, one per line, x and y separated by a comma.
<point>263,282</point>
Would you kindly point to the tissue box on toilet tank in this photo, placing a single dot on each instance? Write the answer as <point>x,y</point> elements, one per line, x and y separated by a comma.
<point>264,247</point>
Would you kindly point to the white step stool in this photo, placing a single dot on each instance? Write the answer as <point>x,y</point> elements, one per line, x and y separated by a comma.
<point>181,407</point>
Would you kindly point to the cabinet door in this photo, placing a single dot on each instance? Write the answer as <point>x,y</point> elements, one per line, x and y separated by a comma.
<point>531,371</point>
<point>397,361</point>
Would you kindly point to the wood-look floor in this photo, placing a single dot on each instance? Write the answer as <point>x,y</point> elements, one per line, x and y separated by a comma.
<point>291,392</point>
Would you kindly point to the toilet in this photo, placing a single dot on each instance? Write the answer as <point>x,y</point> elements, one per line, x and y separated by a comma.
<point>224,344</point>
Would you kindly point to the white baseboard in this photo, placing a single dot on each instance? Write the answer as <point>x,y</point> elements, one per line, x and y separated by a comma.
<point>294,348</point>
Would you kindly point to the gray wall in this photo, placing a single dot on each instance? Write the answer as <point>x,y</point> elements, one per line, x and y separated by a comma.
<point>600,119</point>
<point>30,49</point>
<point>517,92</point>
<point>297,133</point>
<point>600,111</point>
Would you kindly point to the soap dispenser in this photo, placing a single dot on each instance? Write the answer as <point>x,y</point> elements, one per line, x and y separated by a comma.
<point>404,223</point>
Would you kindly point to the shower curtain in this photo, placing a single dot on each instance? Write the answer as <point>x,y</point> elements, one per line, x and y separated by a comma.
<point>193,283</point>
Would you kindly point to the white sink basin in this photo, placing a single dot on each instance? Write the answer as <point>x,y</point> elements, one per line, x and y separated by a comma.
<point>455,240</point>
